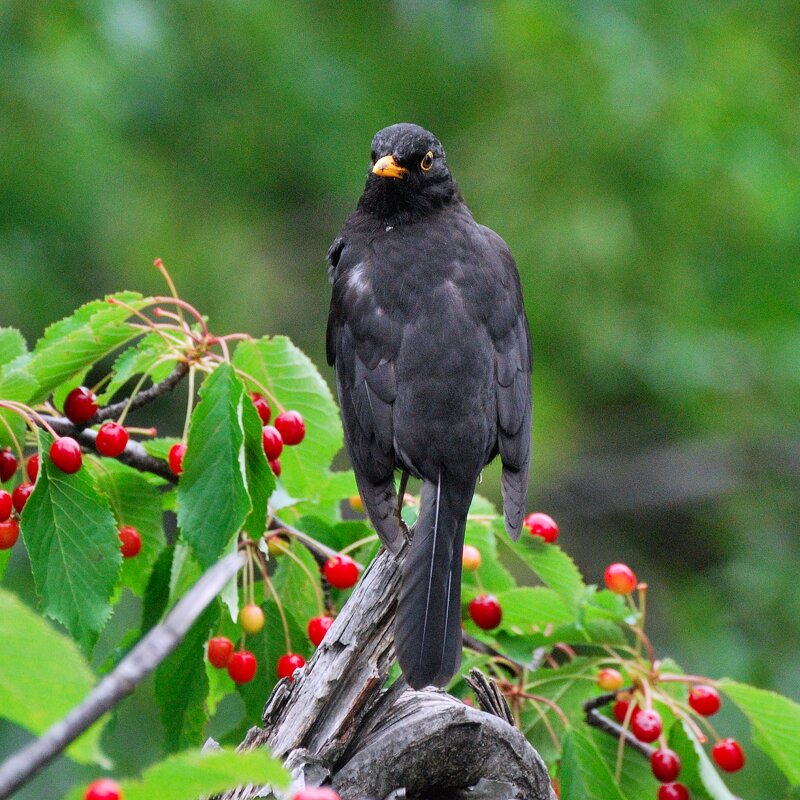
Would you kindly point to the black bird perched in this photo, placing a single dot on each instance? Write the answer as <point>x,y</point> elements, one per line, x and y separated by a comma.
<point>429,338</point>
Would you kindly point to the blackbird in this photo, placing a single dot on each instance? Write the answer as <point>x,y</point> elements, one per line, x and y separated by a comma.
<point>430,343</point>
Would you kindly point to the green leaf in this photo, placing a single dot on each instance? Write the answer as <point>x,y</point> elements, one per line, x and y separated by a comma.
<point>260,478</point>
<point>16,383</point>
<point>139,359</point>
<point>697,771</point>
<point>156,594</point>
<point>293,584</point>
<point>72,541</point>
<point>71,345</point>
<point>492,576</point>
<point>636,779</point>
<point>552,566</point>
<point>159,448</point>
<point>531,609</point>
<point>12,345</point>
<point>49,680</point>
<point>137,502</point>
<point>584,774</point>
<point>290,378</point>
<point>775,721</point>
<point>181,685</point>
<point>212,492</point>
<point>194,774</point>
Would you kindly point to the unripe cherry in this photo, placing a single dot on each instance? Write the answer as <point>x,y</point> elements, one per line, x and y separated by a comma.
<point>80,405</point>
<point>485,611</point>
<point>609,680</point>
<point>317,628</point>
<point>542,525</point>
<point>242,666</point>
<point>111,439</point>
<point>65,453</point>
<point>103,789</point>
<point>705,700</point>
<point>356,503</point>
<point>251,618</point>
<point>9,533</point>
<point>291,426</point>
<point>277,544</point>
<point>130,541</point>
<point>620,578</point>
<point>219,651</point>
<point>341,572</point>
<point>175,457</point>
<point>471,558</point>
<point>728,754</point>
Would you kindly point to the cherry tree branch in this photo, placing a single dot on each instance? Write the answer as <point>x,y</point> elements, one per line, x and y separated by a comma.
<point>154,647</point>
<point>609,726</point>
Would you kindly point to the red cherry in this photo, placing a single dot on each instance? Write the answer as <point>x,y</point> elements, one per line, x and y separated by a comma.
<point>341,572</point>
<point>620,578</point>
<point>272,441</point>
<point>705,700</point>
<point>471,558</point>
<point>646,725</point>
<point>80,405</point>
<point>219,650</point>
<point>665,764</point>
<point>5,505</point>
<point>66,454</point>
<point>262,407</point>
<point>111,439</point>
<point>131,541</point>
<point>728,754</point>
<point>485,611</point>
<point>291,427</point>
<point>103,789</point>
<point>673,791</point>
<point>33,467</point>
<point>8,464</point>
<point>275,466</point>
<point>620,710</point>
<point>542,525</point>
<point>176,454</point>
<point>242,666</point>
<point>609,680</point>
<point>20,496</point>
<point>9,533</point>
<point>316,793</point>
<point>288,663</point>
<point>317,628</point>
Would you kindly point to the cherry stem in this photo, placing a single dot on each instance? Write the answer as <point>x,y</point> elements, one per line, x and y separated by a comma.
<point>189,404</point>
<point>187,307</point>
<point>312,579</point>
<point>668,677</point>
<point>277,599</point>
<point>359,543</point>
<point>31,417</point>
<point>148,323</point>
<point>14,440</point>
<point>321,552</point>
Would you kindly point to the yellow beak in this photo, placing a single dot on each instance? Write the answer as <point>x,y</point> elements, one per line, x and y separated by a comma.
<point>387,167</point>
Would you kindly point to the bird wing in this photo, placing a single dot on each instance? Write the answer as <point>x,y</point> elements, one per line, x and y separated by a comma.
<point>362,344</point>
<point>508,328</point>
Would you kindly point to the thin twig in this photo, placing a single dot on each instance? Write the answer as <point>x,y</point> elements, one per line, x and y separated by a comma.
<point>140,662</point>
<point>609,726</point>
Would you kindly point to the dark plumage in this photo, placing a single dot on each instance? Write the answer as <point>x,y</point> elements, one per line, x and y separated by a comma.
<point>430,342</point>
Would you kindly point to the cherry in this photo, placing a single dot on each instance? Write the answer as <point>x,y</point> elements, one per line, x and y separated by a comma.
<point>609,680</point>
<point>20,496</point>
<point>242,666</point>
<point>8,464</point>
<point>9,533</point>
<point>673,791</point>
<point>542,525</point>
<point>219,650</point>
<point>646,725</point>
<point>32,467</point>
<point>262,407</point>
<point>620,710</point>
<point>275,466</point>
<point>277,544</point>
<point>80,405</point>
<point>130,541</point>
<point>291,427</point>
<point>485,611</point>
<point>728,754</point>
<point>341,572</point>
<point>705,700</point>
<point>5,505</point>
<point>288,663</point>
<point>272,441</point>
<point>471,558</point>
<point>316,793</point>
<point>111,439</point>
<point>251,618</point>
<point>620,578</point>
<point>317,628</point>
<point>665,764</point>
<point>175,457</point>
<point>66,454</point>
<point>356,503</point>
<point>103,789</point>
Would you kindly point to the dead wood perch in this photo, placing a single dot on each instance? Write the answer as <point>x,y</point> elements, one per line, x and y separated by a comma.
<point>337,724</point>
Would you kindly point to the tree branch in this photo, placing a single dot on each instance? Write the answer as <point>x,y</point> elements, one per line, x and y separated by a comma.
<point>609,726</point>
<point>156,645</point>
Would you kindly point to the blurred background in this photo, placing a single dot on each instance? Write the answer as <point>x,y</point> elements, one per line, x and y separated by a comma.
<point>641,159</point>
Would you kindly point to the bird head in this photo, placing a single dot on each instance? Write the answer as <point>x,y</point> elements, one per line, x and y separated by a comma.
<point>408,175</point>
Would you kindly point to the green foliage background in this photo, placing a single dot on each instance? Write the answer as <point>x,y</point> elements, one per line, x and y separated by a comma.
<point>641,160</point>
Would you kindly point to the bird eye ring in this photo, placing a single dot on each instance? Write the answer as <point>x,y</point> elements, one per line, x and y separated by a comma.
<point>427,161</point>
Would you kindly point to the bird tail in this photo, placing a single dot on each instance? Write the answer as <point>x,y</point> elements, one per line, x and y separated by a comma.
<point>428,623</point>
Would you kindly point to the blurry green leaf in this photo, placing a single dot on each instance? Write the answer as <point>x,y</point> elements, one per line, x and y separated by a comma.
<point>194,774</point>
<point>181,685</point>
<point>212,491</point>
<point>530,609</point>
<point>74,550</point>
<point>184,572</point>
<point>160,447</point>
<point>776,724</point>
<point>49,680</point>
<point>156,593</point>
<point>12,345</point>
<point>584,774</point>
<point>697,771</point>
<point>134,501</point>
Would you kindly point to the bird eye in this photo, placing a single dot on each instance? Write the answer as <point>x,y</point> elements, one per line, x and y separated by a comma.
<point>427,161</point>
